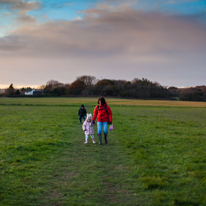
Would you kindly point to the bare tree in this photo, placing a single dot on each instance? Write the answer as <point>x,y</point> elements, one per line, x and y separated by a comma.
<point>88,80</point>
<point>10,90</point>
<point>54,84</point>
<point>41,87</point>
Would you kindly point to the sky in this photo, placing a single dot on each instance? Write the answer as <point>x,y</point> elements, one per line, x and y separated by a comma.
<point>161,40</point>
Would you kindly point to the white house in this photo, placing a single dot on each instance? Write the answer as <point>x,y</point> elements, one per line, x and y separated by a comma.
<point>31,92</point>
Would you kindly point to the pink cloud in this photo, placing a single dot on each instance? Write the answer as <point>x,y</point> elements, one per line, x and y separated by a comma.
<point>144,43</point>
<point>120,32</point>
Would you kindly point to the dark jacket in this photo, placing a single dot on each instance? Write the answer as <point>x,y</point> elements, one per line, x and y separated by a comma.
<point>82,112</point>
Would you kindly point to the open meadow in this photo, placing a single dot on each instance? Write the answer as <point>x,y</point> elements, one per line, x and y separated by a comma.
<point>155,155</point>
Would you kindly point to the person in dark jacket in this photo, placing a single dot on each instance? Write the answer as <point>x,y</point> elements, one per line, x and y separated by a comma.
<point>82,113</point>
<point>103,113</point>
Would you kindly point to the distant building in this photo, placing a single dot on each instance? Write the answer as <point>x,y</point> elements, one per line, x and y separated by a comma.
<point>33,92</point>
<point>38,93</point>
<point>29,91</point>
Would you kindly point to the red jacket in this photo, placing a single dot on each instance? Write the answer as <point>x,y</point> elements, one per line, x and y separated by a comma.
<point>102,114</point>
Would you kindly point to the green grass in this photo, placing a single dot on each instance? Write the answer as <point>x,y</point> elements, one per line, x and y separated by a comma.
<point>155,155</point>
<point>168,147</point>
<point>65,101</point>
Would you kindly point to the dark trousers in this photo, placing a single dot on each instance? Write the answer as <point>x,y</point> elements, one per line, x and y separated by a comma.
<point>80,118</point>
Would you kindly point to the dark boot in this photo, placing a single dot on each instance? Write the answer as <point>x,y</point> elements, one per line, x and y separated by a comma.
<point>100,139</point>
<point>105,138</point>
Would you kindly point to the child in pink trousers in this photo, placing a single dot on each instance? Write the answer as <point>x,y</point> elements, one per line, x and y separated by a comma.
<point>88,128</point>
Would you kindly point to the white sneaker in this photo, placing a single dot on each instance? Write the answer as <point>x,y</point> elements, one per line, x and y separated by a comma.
<point>93,141</point>
<point>85,142</point>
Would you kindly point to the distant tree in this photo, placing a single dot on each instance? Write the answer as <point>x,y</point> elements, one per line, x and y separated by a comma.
<point>107,90</point>
<point>143,89</point>
<point>10,90</point>
<point>54,88</point>
<point>77,87</point>
<point>53,83</point>
<point>137,88</point>
<point>88,80</point>
<point>117,87</point>
<point>11,86</point>
<point>58,91</point>
<point>17,92</point>
<point>202,89</point>
<point>103,87</point>
<point>67,87</point>
<point>23,89</point>
<point>104,82</point>
<point>173,91</point>
<point>191,94</point>
<point>41,87</point>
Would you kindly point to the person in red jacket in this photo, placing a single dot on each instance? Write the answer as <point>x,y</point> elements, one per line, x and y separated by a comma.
<point>103,113</point>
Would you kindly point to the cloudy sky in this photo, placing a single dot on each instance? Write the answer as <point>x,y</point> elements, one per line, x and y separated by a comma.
<point>161,40</point>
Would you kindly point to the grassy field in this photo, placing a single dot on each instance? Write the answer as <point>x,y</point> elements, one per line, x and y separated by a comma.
<point>155,156</point>
<point>92,101</point>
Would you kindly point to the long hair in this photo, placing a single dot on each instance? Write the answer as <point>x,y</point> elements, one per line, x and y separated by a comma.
<point>102,100</point>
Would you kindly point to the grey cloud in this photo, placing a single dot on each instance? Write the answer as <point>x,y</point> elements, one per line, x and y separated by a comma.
<point>7,1</point>
<point>11,44</point>
<point>121,1</point>
<point>26,6</point>
<point>189,0</point>
<point>129,33</point>
<point>119,44</point>
<point>61,4</point>
<point>180,1</point>
<point>26,19</point>
<point>18,9</point>
<point>21,5</point>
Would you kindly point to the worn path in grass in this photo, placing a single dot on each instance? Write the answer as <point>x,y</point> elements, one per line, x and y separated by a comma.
<point>95,175</point>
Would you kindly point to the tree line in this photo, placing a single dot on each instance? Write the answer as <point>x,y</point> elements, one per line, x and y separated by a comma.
<point>137,88</point>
